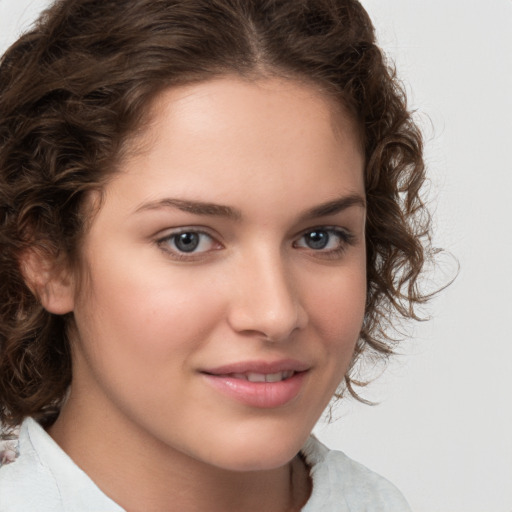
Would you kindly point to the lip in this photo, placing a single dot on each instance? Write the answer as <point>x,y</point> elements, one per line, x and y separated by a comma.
<point>262,395</point>
<point>283,365</point>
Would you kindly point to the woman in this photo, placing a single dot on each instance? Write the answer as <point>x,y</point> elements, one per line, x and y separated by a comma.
<point>209,211</point>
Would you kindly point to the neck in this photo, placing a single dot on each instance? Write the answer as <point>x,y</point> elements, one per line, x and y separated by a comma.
<point>140,473</point>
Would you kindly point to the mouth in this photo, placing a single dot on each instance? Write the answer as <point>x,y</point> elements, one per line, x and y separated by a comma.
<point>257,370</point>
<point>259,377</point>
<point>259,385</point>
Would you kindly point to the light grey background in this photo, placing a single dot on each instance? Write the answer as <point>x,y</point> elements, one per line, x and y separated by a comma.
<point>442,432</point>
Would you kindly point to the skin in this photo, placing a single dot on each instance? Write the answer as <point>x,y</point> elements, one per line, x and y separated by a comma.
<point>141,418</point>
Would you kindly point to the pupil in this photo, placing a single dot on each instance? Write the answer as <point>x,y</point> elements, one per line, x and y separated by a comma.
<point>187,242</point>
<point>317,240</point>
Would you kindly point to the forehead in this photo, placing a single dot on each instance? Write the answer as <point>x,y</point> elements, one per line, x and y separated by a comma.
<point>224,139</point>
<point>233,95</point>
<point>244,105</point>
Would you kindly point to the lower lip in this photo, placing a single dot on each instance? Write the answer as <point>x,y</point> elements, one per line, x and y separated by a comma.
<point>263,395</point>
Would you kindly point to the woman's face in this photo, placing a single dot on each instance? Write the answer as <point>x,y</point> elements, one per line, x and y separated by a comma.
<point>224,284</point>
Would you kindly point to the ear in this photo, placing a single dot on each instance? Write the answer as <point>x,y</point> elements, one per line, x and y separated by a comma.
<point>49,279</point>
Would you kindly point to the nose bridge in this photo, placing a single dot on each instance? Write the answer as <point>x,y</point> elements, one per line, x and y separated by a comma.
<point>266,301</point>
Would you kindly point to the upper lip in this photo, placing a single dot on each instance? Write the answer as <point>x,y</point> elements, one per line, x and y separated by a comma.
<point>264,367</point>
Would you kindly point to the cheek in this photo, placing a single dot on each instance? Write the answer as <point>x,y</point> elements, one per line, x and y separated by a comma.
<point>145,313</point>
<point>337,308</point>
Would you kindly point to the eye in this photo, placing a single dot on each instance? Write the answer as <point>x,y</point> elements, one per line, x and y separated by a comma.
<point>187,243</point>
<point>325,240</point>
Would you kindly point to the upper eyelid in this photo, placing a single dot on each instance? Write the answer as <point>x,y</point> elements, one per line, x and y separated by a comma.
<point>335,229</point>
<point>170,232</point>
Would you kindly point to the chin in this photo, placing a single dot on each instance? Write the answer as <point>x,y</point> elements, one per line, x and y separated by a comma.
<point>259,453</point>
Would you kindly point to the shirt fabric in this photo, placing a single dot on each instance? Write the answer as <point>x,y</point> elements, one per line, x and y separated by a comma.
<point>44,479</point>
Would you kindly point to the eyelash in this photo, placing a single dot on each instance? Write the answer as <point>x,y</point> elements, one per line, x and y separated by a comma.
<point>345,239</point>
<point>165,242</point>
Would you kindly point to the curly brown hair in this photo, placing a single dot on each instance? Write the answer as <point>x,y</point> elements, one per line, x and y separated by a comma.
<point>78,84</point>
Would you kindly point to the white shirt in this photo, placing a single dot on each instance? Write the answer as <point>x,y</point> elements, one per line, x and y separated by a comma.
<point>44,479</point>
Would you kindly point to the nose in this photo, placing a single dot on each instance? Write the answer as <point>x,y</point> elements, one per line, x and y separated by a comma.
<point>265,299</point>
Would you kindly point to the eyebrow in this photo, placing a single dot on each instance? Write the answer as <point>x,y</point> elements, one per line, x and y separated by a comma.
<point>219,210</point>
<point>195,207</point>
<point>333,207</point>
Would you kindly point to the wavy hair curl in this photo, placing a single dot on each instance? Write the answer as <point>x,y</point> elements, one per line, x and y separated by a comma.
<point>77,85</point>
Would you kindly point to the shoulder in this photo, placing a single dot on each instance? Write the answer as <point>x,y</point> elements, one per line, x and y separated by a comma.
<point>341,484</point>
<point>45,479</point>
<point>27,483</point>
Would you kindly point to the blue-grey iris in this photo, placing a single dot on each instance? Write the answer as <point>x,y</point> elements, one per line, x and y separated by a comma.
<point>317,239</point>
<point>187,242</point>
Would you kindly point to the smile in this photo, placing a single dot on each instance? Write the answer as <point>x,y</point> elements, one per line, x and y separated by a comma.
<point>259,384</point>
<point>262,377</point>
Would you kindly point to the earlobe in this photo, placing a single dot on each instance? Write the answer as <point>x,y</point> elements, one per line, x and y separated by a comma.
<point>49,280</point>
